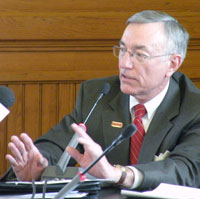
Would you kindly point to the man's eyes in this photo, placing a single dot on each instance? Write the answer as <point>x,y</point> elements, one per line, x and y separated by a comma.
<point>141,55</point>
<point>123,49</point>
<point>137,54</point>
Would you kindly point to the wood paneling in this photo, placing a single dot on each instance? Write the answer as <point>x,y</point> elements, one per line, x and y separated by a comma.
<point>47,48</point>
<point>32,110</point>
<point>49,106</point>
<point>51,61</point>
<point>66,99</point>
<point>99,19</point>
<point>3,146</point>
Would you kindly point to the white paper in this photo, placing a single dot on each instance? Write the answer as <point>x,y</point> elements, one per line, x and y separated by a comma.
<point>3,112</point>
<point>167,191</point>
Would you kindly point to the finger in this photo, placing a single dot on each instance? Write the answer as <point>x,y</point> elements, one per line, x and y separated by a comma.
<point>74,153</point>
<point>44,162</point>
<point>41,161</point>
<point>28,143</point>
<point>20,146</point>
<point>16,153</point>
<point>33,151</point>
<point>82,134</point>
<point>84,138</point>
<point>12,160</point>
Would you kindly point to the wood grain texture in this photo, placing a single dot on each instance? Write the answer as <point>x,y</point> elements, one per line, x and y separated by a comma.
<point>84,19</point>
<point>47,48</point>
<point>32,110</point>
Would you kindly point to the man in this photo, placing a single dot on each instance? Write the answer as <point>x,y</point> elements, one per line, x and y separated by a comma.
<point>151,50</point>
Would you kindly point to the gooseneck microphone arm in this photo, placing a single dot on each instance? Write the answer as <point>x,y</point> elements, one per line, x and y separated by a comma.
<point>65,157</point>
<point>104,91</point>
<point>80,177</point>
<point>95,104</point>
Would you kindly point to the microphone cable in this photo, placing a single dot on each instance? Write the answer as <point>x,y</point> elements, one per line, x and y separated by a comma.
<point>33,189</point>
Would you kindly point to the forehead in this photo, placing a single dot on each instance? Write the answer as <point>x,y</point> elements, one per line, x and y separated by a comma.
<point>149,35</point>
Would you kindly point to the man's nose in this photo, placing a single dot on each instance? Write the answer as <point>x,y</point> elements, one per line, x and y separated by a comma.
<point>125,61</point>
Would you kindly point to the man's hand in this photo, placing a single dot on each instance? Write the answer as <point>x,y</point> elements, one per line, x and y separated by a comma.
<point>102,169</point>
<point>26,160</point>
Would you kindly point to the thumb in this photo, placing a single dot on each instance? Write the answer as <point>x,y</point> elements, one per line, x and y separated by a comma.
<point>74,153</point>
<point>41,161</point>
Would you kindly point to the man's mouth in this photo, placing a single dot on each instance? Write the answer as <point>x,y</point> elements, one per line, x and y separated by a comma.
<point>126,77</point>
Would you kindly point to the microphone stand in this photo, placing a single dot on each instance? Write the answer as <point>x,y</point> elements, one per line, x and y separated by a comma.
<point>64,159</point>
<point>59,170</point>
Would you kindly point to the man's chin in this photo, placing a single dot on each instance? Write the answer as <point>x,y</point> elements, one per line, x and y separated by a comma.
<point>127,90</point>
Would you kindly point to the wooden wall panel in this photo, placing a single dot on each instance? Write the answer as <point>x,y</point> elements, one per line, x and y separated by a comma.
<point>32,110</point>
<point>191,65</point>
<point>49,106</point>
<point>62,65</point>
<point>3,146</point>
<point>66,99</point>
<point>16,117</point>
<point>99,19</point>
<point>57,64</point>
<point>47,48</point>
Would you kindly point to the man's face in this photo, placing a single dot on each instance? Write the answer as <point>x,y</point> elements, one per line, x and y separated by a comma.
<point>144,80</point>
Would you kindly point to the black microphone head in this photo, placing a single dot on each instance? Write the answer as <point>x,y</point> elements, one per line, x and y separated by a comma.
<point>128,131</point>
<point>106,89</point>
<point>7,97</point>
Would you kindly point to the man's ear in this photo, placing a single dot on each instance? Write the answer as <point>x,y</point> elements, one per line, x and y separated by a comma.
<point>174,64</point>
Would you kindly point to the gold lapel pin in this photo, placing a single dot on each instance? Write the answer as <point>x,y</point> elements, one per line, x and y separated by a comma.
<point>117,124</point>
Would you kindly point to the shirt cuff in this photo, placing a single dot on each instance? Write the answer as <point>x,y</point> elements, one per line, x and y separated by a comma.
<point>138,177</point>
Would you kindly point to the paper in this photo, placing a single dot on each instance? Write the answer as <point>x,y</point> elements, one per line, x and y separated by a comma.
<point>3,112</point>
<point>167,191</point>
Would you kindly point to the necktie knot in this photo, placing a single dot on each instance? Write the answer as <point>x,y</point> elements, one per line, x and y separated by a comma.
<point>139,110</point>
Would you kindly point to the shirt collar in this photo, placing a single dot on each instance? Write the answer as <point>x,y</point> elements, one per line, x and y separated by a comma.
<point>151,105</point>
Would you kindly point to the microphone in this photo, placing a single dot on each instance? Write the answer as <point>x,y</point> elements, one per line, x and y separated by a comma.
<point>80,177</point>
<point>7,97</point>
<point>65,157</point>
<point>61,166</point>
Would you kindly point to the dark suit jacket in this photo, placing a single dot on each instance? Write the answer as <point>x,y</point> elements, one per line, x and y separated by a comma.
<point>175,127</point>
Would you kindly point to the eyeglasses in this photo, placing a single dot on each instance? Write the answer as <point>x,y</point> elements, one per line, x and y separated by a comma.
<point>140,57</point>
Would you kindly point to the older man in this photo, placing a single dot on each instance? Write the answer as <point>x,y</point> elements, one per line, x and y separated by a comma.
<point>166,146</point>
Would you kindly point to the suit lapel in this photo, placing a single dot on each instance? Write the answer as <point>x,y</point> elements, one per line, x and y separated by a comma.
<point>117,109</point>
<point>118,112</point>
<point>161,123</point>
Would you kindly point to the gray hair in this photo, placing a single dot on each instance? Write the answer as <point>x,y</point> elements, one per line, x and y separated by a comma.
<point>177,36</point>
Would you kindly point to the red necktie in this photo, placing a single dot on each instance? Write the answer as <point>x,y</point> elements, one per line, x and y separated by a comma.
<point>137,138</point>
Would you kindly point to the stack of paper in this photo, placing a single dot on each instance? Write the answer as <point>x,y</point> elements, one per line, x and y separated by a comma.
<point>166,191</point>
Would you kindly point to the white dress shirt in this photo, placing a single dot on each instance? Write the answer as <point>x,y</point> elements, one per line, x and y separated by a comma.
<point>151,107</point>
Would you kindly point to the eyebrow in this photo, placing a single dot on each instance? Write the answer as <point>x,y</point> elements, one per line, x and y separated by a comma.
<point>137,47</point>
